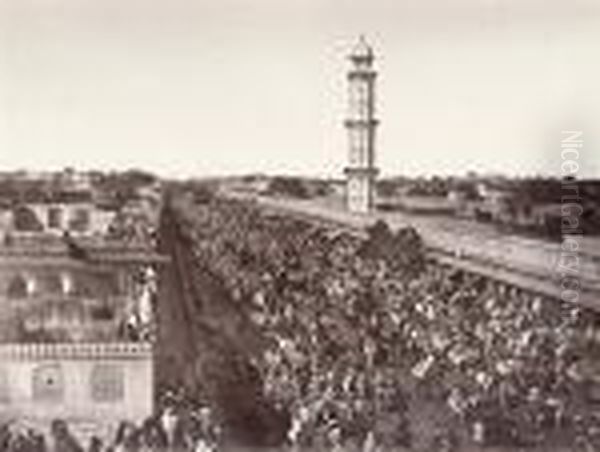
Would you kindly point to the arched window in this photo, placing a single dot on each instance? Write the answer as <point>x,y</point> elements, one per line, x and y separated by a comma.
<point>25,219</point>
<point>52,283</point>
<point>80,220</point>
<point>55,218</point>
<point>107,383</point>
<point>48,383</point>
<point>17,287</point>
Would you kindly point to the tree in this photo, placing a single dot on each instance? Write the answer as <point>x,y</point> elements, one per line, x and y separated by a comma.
<point>403,251</point>
<point>288,186</point>
<point>387,188</point>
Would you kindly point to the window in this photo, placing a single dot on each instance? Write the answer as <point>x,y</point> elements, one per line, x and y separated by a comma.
<point>48,383</point>
<point>102,313</point>
<point>55,218</point>
<point>17,287</point>
<point>107,383</point>
<point>25,219</point>
<point>51,283</point>
<point>80,220</point>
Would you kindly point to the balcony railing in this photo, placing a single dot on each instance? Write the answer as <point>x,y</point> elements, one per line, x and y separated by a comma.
<point>48,319</point>
<point>118,350</point>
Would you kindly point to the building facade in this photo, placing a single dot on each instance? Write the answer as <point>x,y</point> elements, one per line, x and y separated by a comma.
<point>90,385</point>
<point>76,324</point>
<point>75,343</point>
<point>361,125</point>
<point>78,218</point>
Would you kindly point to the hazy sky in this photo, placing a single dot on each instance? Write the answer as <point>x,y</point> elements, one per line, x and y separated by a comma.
<point>192,87</point>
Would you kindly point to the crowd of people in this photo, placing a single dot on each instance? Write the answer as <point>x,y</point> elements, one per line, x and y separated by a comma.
<point>371,346</point>
<point>178,427</point>
<point>359,347</point>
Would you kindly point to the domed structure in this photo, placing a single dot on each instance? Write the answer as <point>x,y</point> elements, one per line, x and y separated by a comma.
<point>362,51</point>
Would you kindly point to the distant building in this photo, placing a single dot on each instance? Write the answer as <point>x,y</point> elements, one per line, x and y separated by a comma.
<point>466,199</point>
<point>361,125</point>
<point>68,178</point>
<point>67,205</point>
<point>337,187</point>
<point>428,205</point>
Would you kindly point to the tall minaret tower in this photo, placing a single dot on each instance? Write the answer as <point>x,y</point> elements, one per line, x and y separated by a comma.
<point>361,125</point>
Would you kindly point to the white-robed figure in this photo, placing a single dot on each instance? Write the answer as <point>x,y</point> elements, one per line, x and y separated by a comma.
<point>148,290</point>
<point>299,420</point>
<point>204,445</point>
<point>144,308</point>
<point>168,423</point>
<point>334,435</point>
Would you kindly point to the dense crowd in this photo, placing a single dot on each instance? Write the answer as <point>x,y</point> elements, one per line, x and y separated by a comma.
<point>359,346</point>
<point>371,346</point>
<point>178,427</point>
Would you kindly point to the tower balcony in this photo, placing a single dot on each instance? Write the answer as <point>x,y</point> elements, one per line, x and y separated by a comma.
<point>361,122</point>
<point>364,171</point>
<point>366,74</point>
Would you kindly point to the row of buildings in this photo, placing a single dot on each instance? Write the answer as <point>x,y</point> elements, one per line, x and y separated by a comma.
<point>529,204</point>
<point>78,285</point>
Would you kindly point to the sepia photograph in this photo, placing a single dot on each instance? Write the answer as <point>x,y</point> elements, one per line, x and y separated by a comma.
<point>299,226</point>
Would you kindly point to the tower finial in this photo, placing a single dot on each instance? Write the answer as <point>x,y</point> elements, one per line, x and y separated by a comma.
<point>362,51</point>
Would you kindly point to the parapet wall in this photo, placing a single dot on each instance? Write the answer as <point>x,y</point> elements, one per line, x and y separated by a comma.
<point>100,351</point>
